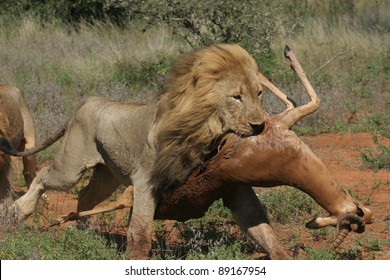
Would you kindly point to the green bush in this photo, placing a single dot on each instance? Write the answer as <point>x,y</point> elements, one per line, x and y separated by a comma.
<point>203,22</point>
<point>71,11</point>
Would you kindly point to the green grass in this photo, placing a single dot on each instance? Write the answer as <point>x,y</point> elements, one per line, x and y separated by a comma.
<point>207,238</point>
<point>353,253</point>
<point>70,244</point>
<point>378,159</point>
<point>287,205</point>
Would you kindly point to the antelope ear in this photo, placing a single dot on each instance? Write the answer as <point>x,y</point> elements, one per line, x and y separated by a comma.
<point>365,213</point>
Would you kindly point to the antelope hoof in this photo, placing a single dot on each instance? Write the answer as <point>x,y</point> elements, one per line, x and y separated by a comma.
<point>321,222</point>
<point>286,50</point>
<point>72,216</point>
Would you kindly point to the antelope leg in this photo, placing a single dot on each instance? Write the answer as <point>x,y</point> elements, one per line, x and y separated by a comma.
<point>281,95</point>
<point>124,201</point>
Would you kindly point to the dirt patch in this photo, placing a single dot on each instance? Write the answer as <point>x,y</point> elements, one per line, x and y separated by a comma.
<point>341,153</point>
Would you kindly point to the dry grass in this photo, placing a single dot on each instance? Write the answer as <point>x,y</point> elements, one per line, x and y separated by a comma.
<point>55,65</point>
<point>89,50</point>
<point>319,42</point>
<point>348,65</point>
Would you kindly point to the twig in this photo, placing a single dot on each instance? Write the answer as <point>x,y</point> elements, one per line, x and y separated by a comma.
<point>330,60</point>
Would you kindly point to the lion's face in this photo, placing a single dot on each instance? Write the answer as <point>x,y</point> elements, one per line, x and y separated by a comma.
<point>211,91</point>
<point>241,101</point>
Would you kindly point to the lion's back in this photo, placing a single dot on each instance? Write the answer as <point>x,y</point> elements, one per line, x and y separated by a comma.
<point>119,129</point>
<point>125,118</point>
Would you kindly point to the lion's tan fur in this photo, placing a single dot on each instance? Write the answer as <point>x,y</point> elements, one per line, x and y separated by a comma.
<point>190,116</point>
<point>212,91</point>
<point>17,126</point>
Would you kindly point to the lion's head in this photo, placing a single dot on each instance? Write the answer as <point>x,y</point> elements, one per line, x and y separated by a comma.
<point>212,91</point>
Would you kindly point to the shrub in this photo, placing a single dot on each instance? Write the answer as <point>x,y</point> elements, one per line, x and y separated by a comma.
<point>204,22</point>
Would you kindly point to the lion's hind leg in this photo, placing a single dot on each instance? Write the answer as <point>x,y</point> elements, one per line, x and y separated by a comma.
<point>26,205</point>
<point>59,177</point>
<point>100,187</point>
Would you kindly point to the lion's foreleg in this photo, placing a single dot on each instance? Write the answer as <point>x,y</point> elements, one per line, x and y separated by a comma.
<point>139,235</point>
<point>251,217</point>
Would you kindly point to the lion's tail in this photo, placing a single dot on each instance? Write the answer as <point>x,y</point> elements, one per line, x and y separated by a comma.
<point>6,147</point>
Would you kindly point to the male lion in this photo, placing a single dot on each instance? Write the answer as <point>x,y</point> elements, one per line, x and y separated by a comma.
<point>17,126</point>
<point>212,91</point>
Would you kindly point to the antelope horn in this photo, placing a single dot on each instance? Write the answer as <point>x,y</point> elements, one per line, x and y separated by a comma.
<point>294,115</point>
<point>354,223</point>
<point>341,235</point>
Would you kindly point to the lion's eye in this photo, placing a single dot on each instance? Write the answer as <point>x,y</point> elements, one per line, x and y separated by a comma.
<point>237,97</point>
<point>259,93</point>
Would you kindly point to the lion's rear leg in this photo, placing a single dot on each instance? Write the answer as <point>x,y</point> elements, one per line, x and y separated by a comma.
<point>26,205</point>
<point>54,177</point>
<point>101,185</point>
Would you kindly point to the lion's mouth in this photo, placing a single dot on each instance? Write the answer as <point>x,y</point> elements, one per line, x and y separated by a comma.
<point>257,129</point>
<point>251,130</point>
